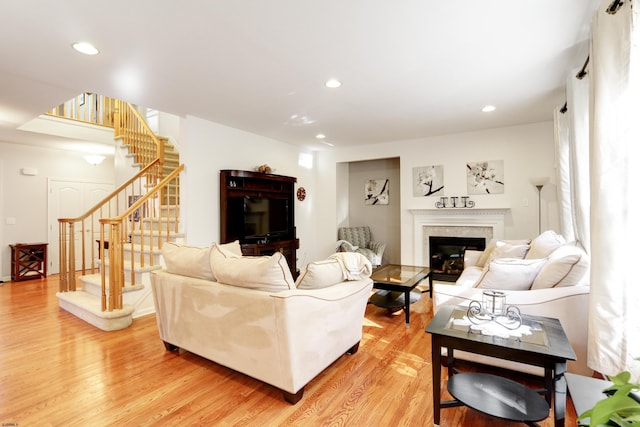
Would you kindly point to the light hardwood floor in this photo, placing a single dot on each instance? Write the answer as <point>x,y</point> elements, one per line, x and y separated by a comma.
<point>58,370</point>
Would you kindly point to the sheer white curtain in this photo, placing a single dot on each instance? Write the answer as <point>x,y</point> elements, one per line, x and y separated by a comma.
<point>578,116</point>
<point>563,175</point>
<point>614,320</point>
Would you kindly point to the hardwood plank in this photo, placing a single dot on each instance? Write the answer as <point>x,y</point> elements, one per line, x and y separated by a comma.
<point>56,369</point>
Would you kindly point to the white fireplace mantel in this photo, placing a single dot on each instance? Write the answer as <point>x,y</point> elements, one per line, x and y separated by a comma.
<point>493,218</point>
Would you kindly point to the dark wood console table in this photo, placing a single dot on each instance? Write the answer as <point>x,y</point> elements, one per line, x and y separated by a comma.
<point>28,261</point>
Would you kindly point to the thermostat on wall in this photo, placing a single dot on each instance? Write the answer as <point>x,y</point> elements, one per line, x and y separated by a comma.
<point>29,171</point>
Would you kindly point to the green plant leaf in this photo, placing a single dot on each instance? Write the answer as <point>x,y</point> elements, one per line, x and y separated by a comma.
<point>619,404</point>
<point>619,408</point>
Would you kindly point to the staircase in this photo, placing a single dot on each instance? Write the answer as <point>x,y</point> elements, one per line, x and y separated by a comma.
<point>85,301</point>
<point>131,225</point>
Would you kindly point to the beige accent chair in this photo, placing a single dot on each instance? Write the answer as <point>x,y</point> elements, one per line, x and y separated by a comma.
<point>358,239</point>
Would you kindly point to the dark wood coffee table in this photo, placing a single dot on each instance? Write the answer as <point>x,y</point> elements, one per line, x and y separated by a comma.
<point>548,347</point>
<point>396,282</point>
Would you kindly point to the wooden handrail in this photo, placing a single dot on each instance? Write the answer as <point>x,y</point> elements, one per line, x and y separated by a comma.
<point>131,126</point>
<point>140,200</point>
<point>111,205</point>
<point>87,108</point>
<point>121,231</point>
<point>114,193</point>
<point>136,205</point>
<point>123,117</point>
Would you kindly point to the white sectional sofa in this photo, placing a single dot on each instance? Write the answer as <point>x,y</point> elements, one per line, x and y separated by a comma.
<point>247,314</point>
<point>544,277</point>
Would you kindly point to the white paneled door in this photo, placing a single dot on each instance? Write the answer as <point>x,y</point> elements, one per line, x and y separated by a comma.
<point>70,199</point>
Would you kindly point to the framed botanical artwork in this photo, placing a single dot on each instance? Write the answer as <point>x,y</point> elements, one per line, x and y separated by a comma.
<point>428,181</point>
<point>485,177</point>
<point>376,192</point>
<point>136,213</point>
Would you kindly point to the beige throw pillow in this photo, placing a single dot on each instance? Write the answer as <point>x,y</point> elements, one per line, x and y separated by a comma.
<point>503,249</point>
<point>233,247</point>
<point>510,274</point>
<point>508,250</point>
<point>485,257</point>
<point>270,273</point>
<point>221,252</point>
<point>544,244</point>
<point>321,274</point>
<point>187,260</point>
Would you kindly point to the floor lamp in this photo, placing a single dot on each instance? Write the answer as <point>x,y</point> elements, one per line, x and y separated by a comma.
<point>539,183</point>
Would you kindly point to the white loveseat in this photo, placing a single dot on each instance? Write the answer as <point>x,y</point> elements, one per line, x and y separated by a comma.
<point>260,322</point>
<point>545,277</point>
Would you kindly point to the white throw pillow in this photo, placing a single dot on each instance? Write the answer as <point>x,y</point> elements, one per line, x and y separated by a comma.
<point>510,274</point>
<point>556,269</point>
<point>567,266</point>
<point>187,260</point>
<point>269,273</point>
<point>321,274</point>
<point>508,250</point>
<point>544,244</point>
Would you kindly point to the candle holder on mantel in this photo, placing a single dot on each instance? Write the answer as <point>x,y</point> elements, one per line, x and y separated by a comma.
<point>464,202</point>
<point>494,308</point>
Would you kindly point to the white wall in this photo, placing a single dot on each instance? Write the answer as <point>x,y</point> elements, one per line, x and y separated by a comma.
<point>384,220</point>
<point>207,148</point>
<point>24,198</point>
<point>527,151</point>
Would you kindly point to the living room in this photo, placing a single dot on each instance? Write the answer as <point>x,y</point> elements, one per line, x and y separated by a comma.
<point>527,149</point>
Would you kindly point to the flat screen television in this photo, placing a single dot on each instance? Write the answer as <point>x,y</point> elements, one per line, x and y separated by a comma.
<point>257,219</point>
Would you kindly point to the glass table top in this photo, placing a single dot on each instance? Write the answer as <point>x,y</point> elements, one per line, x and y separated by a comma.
<point>531,331</point>
<point>406,275</point>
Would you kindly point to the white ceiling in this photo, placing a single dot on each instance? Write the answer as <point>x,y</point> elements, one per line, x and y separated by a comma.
<point>410,68</point>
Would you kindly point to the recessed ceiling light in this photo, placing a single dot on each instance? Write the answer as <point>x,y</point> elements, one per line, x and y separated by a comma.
<point>327,143</point>
<point>86,48</point>
<point>321,136</point>
<point>488,108</point>
<point>299,120</point>
<point>333,83</point>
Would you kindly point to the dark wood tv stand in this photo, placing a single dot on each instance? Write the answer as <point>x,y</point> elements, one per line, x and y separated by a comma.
<point>238,184</point>
<point>286,247</point>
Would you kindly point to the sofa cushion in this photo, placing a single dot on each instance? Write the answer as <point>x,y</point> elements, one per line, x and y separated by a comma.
<point>510,274</point>
<point>269,273</point>
<point>187,260</point>
<point>566,266</point>
<point>321,274</point>
<point>544,244</point>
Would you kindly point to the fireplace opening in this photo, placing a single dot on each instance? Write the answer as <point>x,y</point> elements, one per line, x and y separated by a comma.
<point>446,255</point>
